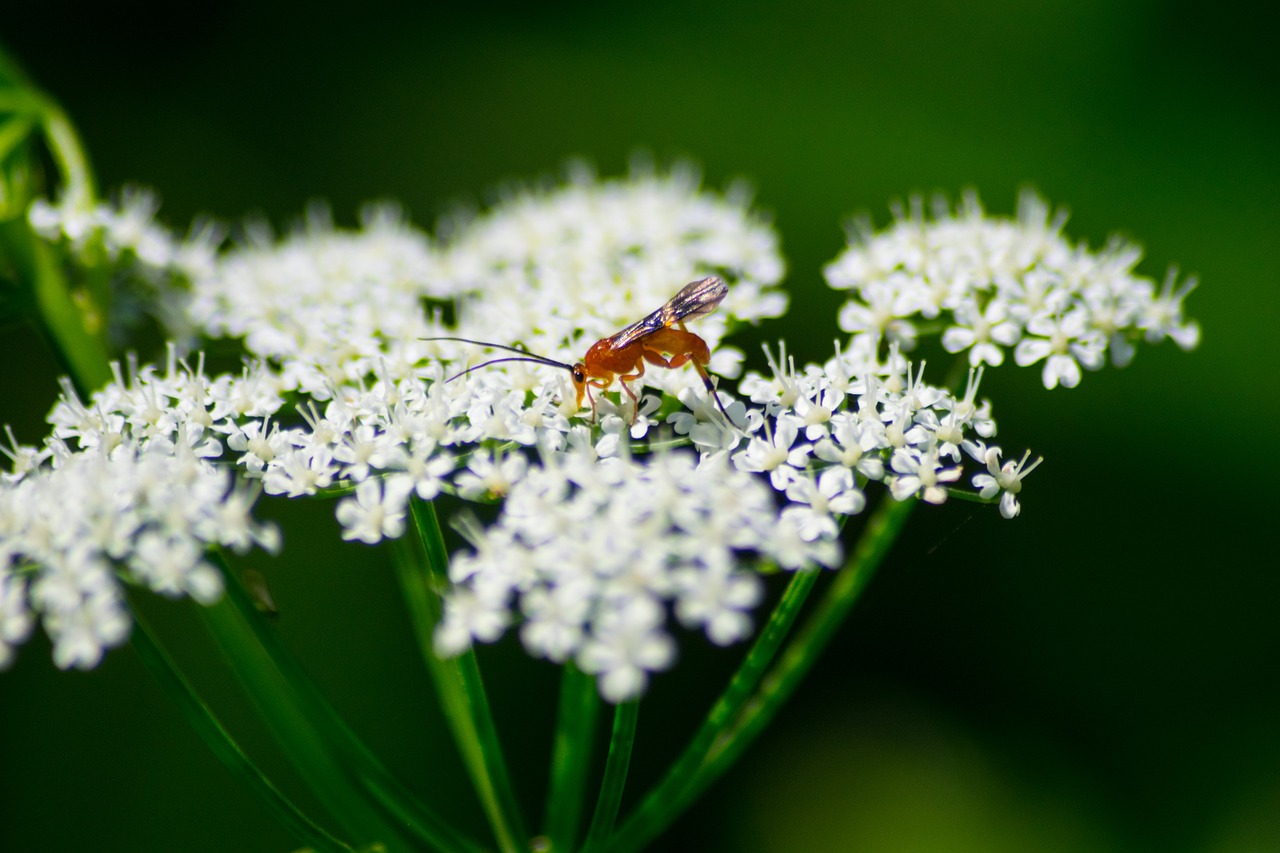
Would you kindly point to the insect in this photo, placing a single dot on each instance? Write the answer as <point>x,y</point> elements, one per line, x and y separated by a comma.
<point>623,355</point>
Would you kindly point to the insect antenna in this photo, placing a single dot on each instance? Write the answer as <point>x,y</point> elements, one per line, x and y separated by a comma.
<point>524,355</point>
<point>568,367</point>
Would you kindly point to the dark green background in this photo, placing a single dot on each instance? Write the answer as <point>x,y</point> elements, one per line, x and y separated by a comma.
<point>1100,674</point>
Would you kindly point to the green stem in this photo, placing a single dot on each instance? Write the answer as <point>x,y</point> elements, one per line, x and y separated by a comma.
<point>731,737</point>
<point>654,812</point>
<point>881,532</point>
<point>75,329</point>
<point>284,707</point>
<point>615,775</point>
<point>14,131</point>
<point>219,740</point>
<point>75,320</point>
<point>64,145</point>
<point>571,756</point>
<point>344,774</point>
<point>458,681</point>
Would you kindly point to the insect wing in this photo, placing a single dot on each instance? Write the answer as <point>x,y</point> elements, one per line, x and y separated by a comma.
<point>696,299</point>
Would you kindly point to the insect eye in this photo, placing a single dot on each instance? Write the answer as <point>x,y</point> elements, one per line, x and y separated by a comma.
<point>579,374</point>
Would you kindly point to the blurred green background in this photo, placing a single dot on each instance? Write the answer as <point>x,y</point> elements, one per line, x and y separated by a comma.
<point>1099,674</point>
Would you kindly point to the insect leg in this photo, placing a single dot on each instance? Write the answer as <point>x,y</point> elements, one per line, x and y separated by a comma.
<point>681,359</point>
<point>711,389</point>
<point>623,380</point>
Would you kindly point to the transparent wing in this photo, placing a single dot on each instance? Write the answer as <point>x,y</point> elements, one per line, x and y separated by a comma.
<point>696,299</point>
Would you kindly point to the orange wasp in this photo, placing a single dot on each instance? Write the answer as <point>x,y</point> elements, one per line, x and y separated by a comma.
<point>622,356</point>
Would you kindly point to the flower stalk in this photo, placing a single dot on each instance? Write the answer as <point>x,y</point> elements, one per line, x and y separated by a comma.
<point>458,683</point>
<point>201,718</point>
<point>576,720</point>
<point>625,718</point>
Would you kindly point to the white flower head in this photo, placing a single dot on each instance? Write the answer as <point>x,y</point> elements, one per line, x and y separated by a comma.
<point>128,492</point>
<point>589,554</point>
<point>325,306</point>
<point>552,271</point>
<point>998,283</point>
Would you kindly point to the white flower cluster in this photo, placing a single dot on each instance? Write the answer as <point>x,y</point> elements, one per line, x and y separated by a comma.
<point>553,270</point>
<point>994,283</point>
<point>594,552</point>
<point>556,270</point>
<point>125,483</point>
<point>328,308</point>
<point>157,267</point>
<point>128,227</point>
<point>827,430</point>
<point>340,315</point>
<point>595,542</point>
<point>590,553</point>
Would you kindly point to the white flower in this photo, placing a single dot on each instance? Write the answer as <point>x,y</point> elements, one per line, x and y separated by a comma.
<point>1065,343</point>
<point>775,453</point>
<point>146,511</point>
<point>598,544</point>
<point>718,599</point>
<point>135,499</point>
<point>258,442</point>
<point>23,459</point>
<point>1162,316</point>
<point>150,268</point>
<point>557,270</point>
<point>794,551</point>
<point>814,409</point>
<point>783,389</point>
<point>919,472</point>
<point>555,619</point>
<point>949,418</point>
<point>363,447</point>
<point>172,566</point>
<point>16,621</point>
<point>324,305</point>
<point>425,467</point>
<point>536,262</point>
<point>490,475</point>
<point>883,315</point>
<point>376,512</point>
<point>853,445</point>
<point>814,503</point>
<point>301,471</point>
<point>982,331</point>
<point>624,646</point>
<point>468,616</point>
<point>81,634</point>
<point>1005,480</point>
